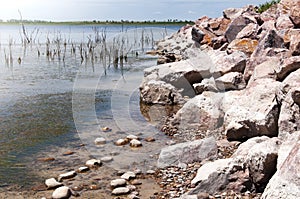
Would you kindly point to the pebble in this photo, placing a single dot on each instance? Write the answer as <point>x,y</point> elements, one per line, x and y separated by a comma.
<point>118,183</point>
<point>68,153</point>
<point>133,196</point>
<point>106,129</point>
<point>100,141</point>
<point>120,191</point>
<point>150,172</point>
<point>107,159</point>
<point>67,175</point>
<point>52,183</point>
<point>93,163</point>
<point>61,192</point>
<point>135,143</point>
<point>83,169</point>
<point>131,187</point>
<point>93,187</point>
<point>137,171</point>
<point>150,139</point>
<point>136,182</point>
<point>170,142</point>
<point>47,159</point>
<point>121,142</point>
<point>131,137</point>
<point>128,175</point>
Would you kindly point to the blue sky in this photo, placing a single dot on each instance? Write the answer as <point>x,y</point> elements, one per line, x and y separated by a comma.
<point>78,10</point>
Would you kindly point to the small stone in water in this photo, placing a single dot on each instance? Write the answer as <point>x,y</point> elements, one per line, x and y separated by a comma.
<point>128,175</point>
<point>93,163</point>
<point>52,183</point>
<point>121,142</point>
<point>83,169</point>
<point>135,143</point>
<point>61,192</point>
<point>150,172</point>
<point>118,183</point>
<point>131,187</point>
<point>131,137</point>
<point>136,182</point>
<point>93,187</point>
<point>100,141</point>
<point>107,159</point>
<point>150,139</point>
<point>106,129</point>
<point>120,191</point>
<point>68,153</point>
<point>47,159</point>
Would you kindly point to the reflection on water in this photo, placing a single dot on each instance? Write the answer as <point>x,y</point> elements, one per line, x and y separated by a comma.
<point>36,110</point>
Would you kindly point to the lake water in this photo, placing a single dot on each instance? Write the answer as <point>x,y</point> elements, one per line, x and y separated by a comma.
<point>56,91</point>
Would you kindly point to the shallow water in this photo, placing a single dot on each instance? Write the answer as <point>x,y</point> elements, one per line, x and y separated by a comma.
<point>57,103</point>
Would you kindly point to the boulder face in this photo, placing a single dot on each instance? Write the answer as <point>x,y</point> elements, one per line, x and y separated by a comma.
<point>292,9</point>
<point>186,153</point>
<point>236,26</point>
<point>285,183</point>
<point>253,111</point>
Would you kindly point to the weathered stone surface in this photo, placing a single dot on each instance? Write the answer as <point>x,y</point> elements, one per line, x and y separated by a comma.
<point>253,111</point>
<point>285,183</point>
<point>67,175</point>
<point>261,162</point>
<point>224,63</point>
<point>61,193</point>
<point>188,152</point>
<point>250,31</point>
<point>266,69</point>
<point>93,163</point>
<point>231,81</point>
<point>284,22</point>
<point>292,8</point>
<point>201,113</point>
<point>289,118</point>
<point>52,183</point>
<point>295,45</point>
<point>205,85</point>
<point>235,27</point>
<point>232,13</point>
<point>289,65</point>
<point>245,45</point>
<point>128,175</point>
<point>197,35</point>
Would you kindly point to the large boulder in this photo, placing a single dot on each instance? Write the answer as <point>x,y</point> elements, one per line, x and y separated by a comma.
<point>201,113</point>
<point>285,182</point>
<point>266,69</point>
<point>231,81</point>
<point>245,45</point>
<point>288,94</point>
<point>288,66</point>
<point>188,152</point>
<point>253,111</point>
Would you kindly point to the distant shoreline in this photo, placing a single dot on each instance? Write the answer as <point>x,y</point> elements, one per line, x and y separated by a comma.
<point>153,22</point>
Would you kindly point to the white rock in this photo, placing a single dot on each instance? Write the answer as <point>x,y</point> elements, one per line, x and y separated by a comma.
<point>52,183</point>
<point>150,172</point>
<point>128,175</point>
<point>135,143</point>
<point>93,162</point>
<point>131,187</point>
<point>83,169</point>
<point>107,159</point>
<point>131,137</point>
<point>121,142</point>
<point>120,191</point>
<point>61,192</point>
<point>67,175</point>
<point>100,141</point>
<point>118,183</point>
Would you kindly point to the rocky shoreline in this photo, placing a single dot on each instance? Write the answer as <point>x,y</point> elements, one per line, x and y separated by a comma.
<point>237,78</point>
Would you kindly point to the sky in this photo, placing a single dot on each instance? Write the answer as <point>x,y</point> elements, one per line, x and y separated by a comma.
<point>101,10</point>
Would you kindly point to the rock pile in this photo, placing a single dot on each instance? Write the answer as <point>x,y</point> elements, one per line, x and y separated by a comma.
<point>236,77</point>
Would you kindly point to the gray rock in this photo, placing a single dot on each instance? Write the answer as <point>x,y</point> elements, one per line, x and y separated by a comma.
<point>295,45</point>
<point>106,159</point>
<point>118,183</point>
<point>266,69</point>
<point>93,163</point>
<point>231,81</point>
<point>52,183</point>
<point>285,183</point>
<point>289,118</point>
<point>232,13</point>
<point>236,26</point>
<point>249,31</point>
<point>292,8</point>
<point>100,141</point>
<point>253,111</point>
<point>120,191</point>
<point>200,113</point>
<point>67,175</point>
<point>61,193</point>
<point>289,65</point>
<point>128,175</point>
<point>188,152</point>
<point>284,22</point>
<point>83,169</point>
